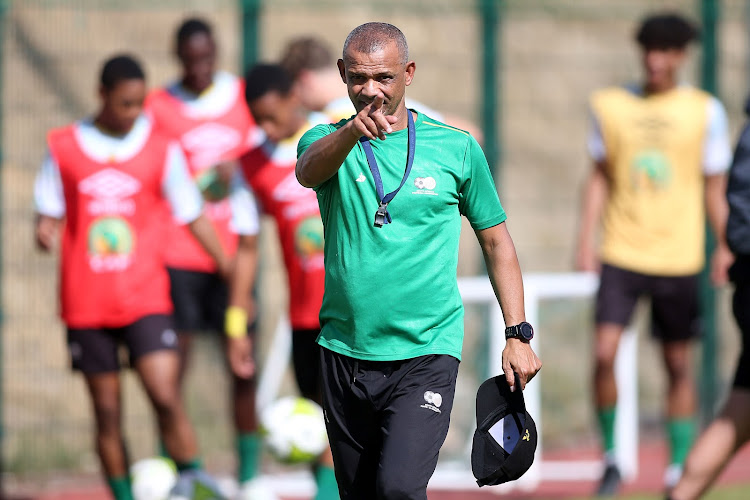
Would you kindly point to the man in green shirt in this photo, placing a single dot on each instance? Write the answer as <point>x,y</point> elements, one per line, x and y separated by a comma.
<point>392,318</point>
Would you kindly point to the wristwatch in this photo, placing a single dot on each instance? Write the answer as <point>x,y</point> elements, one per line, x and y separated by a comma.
<point>522,331</point>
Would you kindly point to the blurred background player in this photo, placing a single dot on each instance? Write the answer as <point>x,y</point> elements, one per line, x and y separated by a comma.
<point>269,170</point>
<point>660,149</point>
<point>312,65</point>
<point>104,181</point>
<point>731,429</point>
<point>205,111</point>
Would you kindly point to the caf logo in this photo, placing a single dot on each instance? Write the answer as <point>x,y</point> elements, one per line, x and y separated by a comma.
<point>110,236</point>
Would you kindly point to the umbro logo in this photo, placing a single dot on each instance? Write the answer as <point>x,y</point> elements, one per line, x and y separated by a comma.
<point>214,135</point>
<point>209,143</point>
<point>109,184</point>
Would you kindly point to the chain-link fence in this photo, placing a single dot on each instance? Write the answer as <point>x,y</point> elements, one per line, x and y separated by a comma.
<point>552,54</point>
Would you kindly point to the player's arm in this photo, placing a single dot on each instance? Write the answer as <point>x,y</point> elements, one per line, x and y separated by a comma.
<point>49,202</point>
<point>717,211</point>
<point>45,231</point>
<point>241,307</point>
<point>187,206</point>
<point>717,156</point>
<point>738,197</point>
<point>323,158</point>
<point>594,198</point>
<point>204,232</point>
<point>505,275</point>
<point>479,202</point>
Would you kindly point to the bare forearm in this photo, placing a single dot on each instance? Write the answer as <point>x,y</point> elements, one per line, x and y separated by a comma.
<point>505,275</point>
<point>46,231</point>
<point>243,274</point>
<point>504,272</point>
<point>717,209</point>
<point>324,157</point>
<point>204,232</point>
<point>595,194</point>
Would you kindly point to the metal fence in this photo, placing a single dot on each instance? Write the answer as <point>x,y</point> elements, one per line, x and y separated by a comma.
<point>551,55</point>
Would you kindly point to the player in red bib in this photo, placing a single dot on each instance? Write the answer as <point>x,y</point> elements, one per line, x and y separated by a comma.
<point>269,170</point>
<point>106,182</point>
<point>206,112</point>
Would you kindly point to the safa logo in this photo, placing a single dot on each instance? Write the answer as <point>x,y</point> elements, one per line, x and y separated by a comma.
<point>308,238</point>
<point>433,400</point>
<point>110,244</point>
<point>425,185</point>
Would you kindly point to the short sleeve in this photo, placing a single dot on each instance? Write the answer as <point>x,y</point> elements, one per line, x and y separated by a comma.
<point>312,135</point>
<point>245,218</point>
<point>179,188</point>
<point>594,140</point>
<point>49,198</point>
<point>717,150</point>
<point>478,199</point>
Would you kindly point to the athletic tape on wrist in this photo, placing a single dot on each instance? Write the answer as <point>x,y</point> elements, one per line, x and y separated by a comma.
<point>235,322</point>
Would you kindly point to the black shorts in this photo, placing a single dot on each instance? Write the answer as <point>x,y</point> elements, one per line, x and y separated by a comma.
<point>200,300</point>
<point>386,422</point>
<point>675,310</point>
<point>740,274</point>
<point>306,361</point>
<point>97,350</point>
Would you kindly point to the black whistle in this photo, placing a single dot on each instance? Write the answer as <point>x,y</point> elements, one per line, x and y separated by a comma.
<point>380,215</point>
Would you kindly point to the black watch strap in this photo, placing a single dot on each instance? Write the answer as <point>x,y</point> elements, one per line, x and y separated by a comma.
<point>522,331</point>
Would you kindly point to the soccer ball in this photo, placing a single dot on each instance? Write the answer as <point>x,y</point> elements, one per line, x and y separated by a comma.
<point>153,478</point>
<point>293,430</point>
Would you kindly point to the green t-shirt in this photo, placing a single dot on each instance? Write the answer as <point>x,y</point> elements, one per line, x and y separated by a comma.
<point>391,292</point>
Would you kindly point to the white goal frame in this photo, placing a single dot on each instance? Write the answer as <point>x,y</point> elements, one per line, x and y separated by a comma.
<point>454,476</point>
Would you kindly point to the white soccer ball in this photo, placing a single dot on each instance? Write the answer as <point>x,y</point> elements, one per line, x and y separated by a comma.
<point>153,478</point>
<point>294,430</point>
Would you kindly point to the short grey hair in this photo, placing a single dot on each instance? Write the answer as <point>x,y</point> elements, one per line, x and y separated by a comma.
<point>369,37</point>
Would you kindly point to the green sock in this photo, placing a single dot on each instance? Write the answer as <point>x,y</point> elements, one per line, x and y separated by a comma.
<point>120,487</point>
<point>163,450</point>
<point>249,446</point>
<point>681,433</point>
<point>325,479</point>
<point>193,464</point>
<point>606,418</point>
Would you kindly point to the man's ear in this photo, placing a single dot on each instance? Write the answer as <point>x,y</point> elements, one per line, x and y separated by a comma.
<point>411,66</point>
<point>342,69</point>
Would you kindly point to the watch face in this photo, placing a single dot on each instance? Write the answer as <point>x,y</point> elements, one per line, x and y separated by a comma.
<point>527,331</point>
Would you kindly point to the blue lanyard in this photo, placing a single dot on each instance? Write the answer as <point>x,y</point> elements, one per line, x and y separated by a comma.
<point>382,216</point>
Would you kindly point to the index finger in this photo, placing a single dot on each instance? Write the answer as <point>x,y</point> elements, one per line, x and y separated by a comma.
<point>509,377</point>
<point>377,103</point>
